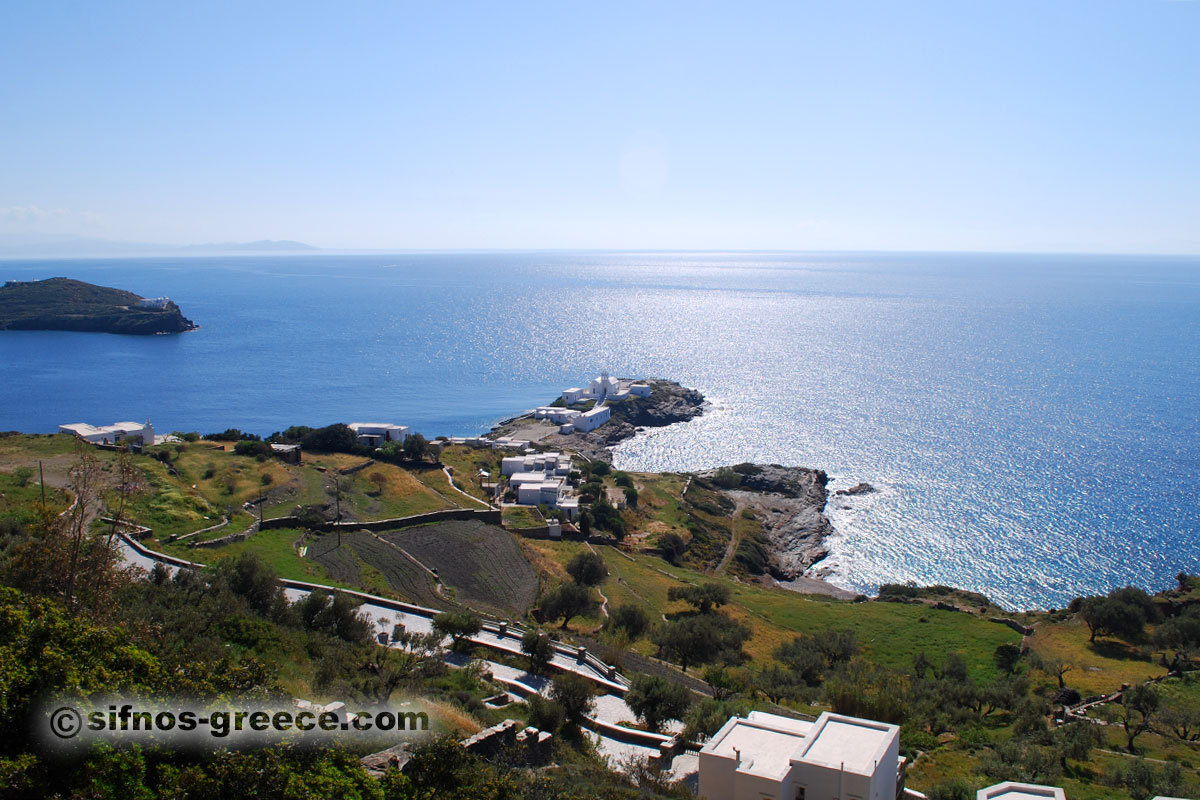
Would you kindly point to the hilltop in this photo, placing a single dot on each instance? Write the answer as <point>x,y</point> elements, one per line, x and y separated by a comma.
<point>63,304</point>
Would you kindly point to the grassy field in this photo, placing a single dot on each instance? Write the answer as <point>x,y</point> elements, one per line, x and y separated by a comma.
<point>1097,667</point>
<point>889,633</point>
<point>20,495</point>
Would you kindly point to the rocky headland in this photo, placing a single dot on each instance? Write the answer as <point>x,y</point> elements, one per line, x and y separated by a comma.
<point>63,304</point>
<point>789,503</point>
<point>668,404</point>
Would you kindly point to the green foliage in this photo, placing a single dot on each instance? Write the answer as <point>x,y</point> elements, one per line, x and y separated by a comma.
<point>656,700</point>
<point>672,546</point>
<point>1123,613</point>
<point>538,647</point>
<point>701,639</point>
<point>587,569</point>
<point>704,598</point>
<point>727,478</point>
<point>460,626</point>
<point>232,435</point>
<point>1007,657</point>
<point>336,438</point>
<point>630,618</point>
<point>567,602</point>
<point>253,448</point>
<point>705,718</point>
<point>575,694</point>
<point>545,714</point>
<point>607,518</point>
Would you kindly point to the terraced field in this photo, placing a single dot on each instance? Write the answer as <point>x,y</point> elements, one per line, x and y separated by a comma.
<point>481,563</point>
<point>361,549</point>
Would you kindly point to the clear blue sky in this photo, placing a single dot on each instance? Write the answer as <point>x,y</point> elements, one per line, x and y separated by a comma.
<point>838,125</point>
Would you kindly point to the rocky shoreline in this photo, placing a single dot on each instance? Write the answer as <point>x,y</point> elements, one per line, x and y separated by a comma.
<point>668,404</point>
<point>790,503</point>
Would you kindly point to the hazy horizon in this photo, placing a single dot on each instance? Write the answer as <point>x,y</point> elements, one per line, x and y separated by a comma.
<point>938,127</point>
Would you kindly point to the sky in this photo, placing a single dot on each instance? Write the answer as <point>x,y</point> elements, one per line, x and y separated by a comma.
<point>995,126</point>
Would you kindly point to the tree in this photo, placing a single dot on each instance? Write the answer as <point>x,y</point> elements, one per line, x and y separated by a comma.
<point>336,438</point>
<point>631,497</point>
<point>701,639</point>
<point>251,578</point>
<point>538,647</point>
<point>802,657</point>
<point>460,626</point>
<point>587,569</point>
<point>724,682</point>
<point>1052,666</point>
<point>1138,705</point>
<point>380,481</point>
<point>416,448</point>
<point>1007,656</point>
<point>1113,617</point>
<point>545,714</point>
<point>672,546</point>
<point>630,618</point>
<point>656,700</point>
<point>575,694</point>
<point>1180,634</point>
<point>704,597</point>
<point>585,522</point>
<point>566,602</point>
<point>705,718</point>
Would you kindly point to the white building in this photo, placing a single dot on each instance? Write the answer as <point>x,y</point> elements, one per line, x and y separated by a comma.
<point>139,432</point>
<point>769,757</point>
<point>590,420</point>
<point>154,303</point>
<point>1010,790</point>
<point>554,463</point>
<point>377,434</point>
<point>555,414</point>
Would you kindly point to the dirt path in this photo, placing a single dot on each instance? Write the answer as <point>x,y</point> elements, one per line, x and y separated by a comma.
<point>603,597</point>
<point>734,539</point>
<point>455,487</point>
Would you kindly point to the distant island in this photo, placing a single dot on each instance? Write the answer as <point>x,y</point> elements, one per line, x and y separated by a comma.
<point>63,304</point>
<point>68,246</point>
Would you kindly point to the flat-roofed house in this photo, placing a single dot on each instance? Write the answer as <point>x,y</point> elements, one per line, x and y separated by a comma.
<point>118,432</point>
<point>1010,790</point>
<point>377,434</point>
<point>769,757</point>
<point>590,420</point>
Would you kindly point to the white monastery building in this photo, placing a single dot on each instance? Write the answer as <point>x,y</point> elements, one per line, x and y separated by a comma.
<point>377,434</point>
<point>769,757</point>
<point>139,432</point>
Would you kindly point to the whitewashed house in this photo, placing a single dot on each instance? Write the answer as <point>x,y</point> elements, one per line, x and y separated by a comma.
<point>377,434</point>
<point>118,432</point>
<point>590,420</point>
<point>769,757</point>
<point>554,463</point>
<point>561,416</point>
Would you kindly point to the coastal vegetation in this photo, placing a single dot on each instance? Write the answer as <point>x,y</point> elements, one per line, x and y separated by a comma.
<point>978,690</point>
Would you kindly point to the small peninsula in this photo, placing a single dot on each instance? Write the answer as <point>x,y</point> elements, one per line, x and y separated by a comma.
<point>63,304</point>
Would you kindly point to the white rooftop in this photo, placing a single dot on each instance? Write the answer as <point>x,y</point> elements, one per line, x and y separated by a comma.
<point>855,745</point>
<point>764,750</point>
<point>1010,790</point>
<point>387,426</point>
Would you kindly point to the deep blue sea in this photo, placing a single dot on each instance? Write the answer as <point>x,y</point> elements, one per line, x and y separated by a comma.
<point>1032,422</point>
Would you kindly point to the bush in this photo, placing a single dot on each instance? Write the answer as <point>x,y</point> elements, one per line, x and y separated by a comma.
<point>248,447</point>
<point>656,700</point>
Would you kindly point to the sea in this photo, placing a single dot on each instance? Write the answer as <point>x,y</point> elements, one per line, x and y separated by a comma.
<point>1031,423</point>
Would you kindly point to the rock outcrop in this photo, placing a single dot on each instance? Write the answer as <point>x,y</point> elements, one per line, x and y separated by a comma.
<point>790,504</point>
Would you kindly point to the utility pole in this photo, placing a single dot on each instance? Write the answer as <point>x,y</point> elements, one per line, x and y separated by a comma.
<point>337,500</point>
<point>42,477</point>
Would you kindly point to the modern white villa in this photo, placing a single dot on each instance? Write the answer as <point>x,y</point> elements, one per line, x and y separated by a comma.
<point>119,432</point>
<point>377,434</point>
<point>541,478</point>
<point>768,757</point>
